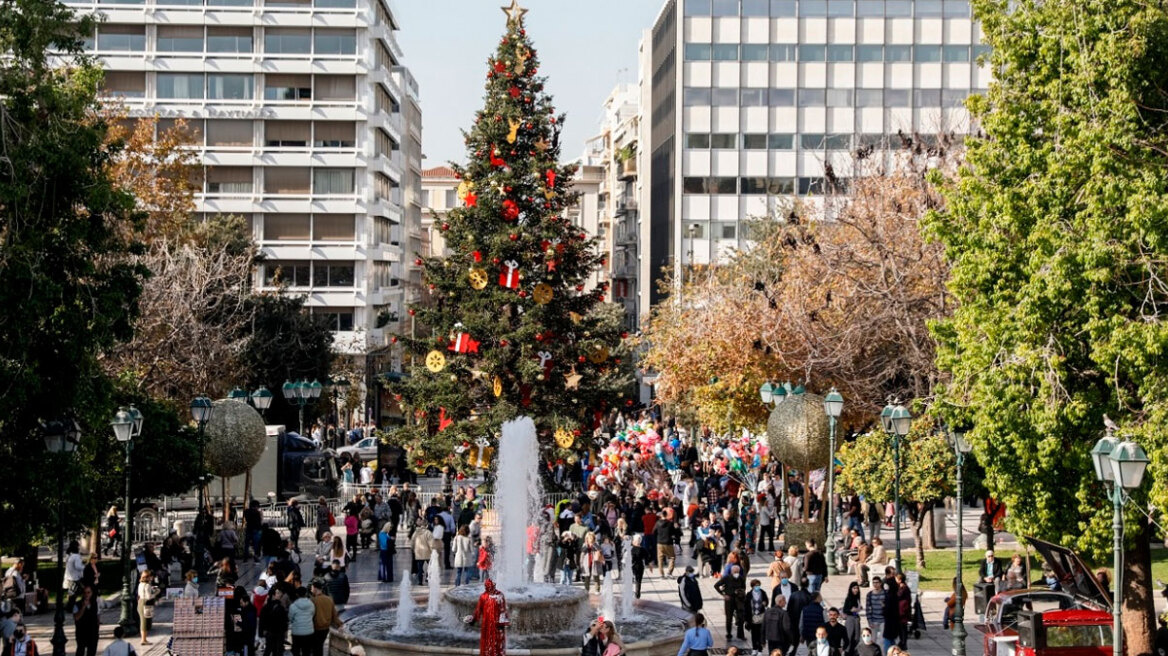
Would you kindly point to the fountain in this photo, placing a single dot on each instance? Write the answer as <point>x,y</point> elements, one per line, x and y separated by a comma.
<point>628,585</point>
<point>545,618</point>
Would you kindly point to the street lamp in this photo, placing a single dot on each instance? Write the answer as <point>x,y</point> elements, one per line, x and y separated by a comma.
<point>1122,464</point>
<point>201,410</point>
<point>301,393</point>
<point>60,437</point>
<point>338,387</point>
<point>127,424</point>
<point>833,405</point>
<point>261,399</point>
<point>896,421</point>
<point>960,448</point>
<point>767,392</point>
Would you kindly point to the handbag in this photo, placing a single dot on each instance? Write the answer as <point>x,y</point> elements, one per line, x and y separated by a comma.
<point>504,619</point>
<point>332,519</point>
<point>756,619</point>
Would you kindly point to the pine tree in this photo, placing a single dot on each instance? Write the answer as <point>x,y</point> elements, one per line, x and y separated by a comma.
<point>512,329</point>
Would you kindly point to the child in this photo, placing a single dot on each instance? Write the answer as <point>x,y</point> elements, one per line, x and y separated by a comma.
<point>608,551</point>
<point>260,594</point>
<point>486,555</point>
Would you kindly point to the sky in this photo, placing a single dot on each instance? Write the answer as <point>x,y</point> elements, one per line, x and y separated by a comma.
<point>586,48</point>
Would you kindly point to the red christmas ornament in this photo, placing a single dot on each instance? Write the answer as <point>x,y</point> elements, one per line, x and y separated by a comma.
<point>494,260</point>
<point>509,276</point>
<point>629,403</point>
<point>472,199</point>
<point>507,189</point>
<point>445,226</point>
<point>581,359</point>
<point>576,432</point>
<point>528,126</point>
<point>522,294</point>
<point>397,397</point>
<point>500,67</point>
<point>443,422</point>
<point>551,178</point>
<point>539,337</point>
<point>393,340</point>
<point>418,261</point>
<point>553,120</point>
<point>510,210</point>
<point>412,312</point>
<point>478,257</point>
<point>441,340</point>
<point>502,342</point>
<point>463,343</point>
<point>579,288</point>
<point>514,236</point>
<point>514,91</point>
<point>624,335</point>
<point>495,159</point>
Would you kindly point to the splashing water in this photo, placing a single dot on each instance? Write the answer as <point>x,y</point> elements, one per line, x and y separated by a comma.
<point>518,493</point>
<point>405,607</point>
<point>627,583</point>
<point>435,574</point>
<point>607,597</point>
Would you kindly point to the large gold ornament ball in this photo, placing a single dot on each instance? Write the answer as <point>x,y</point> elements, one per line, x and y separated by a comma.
<point>798,432</point>
<point>234,438</point>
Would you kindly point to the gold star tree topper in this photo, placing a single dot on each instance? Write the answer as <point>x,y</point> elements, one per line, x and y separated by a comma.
<point>514,12</point>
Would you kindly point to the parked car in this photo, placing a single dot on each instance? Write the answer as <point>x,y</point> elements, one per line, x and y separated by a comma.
<point>364,450</point>
<point>1073,621</point>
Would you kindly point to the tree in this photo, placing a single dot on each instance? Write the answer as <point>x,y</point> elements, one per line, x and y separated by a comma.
<point>927,472</point>
<point>285,342</point>
<point>69,291</point>
<point>1056,236</point>
<point>513,330</point>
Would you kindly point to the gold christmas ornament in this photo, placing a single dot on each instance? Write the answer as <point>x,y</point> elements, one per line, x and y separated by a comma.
<point>497,386</point>
<point>541,145</point>
<point>572,379</point>
<point>464,188</point>
<point>514,12</point>
<point>598,354</point>
<point>575,317</point>
<point>435,361</point>
<point>478,278</point>
<point>514,133</point>
<point>564,438</point>
<point>543,293</point>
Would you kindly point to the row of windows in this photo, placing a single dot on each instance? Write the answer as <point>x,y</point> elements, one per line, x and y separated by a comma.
<point>303,273</point>
<point>305,227</point>
<point>761,186</point>
<point>806,141</point>
<point>829,8</point>
<point>232,86</point>
<point>291,180</point>
<point>733,97</point>
<point>320,4</point>
<point>240,133</point>
<point>197,39</point>
<point>789,52</point>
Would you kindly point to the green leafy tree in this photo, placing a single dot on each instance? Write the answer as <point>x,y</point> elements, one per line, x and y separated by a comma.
<point>514,283</point>
<point>927,472</point>
<point>1057,236</point>
<point>69,292</point>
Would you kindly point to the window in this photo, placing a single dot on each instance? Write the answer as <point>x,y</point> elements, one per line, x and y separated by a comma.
<point>875,140</point>
<point>382,230</point>
<point>869,98</point>
<point>332,274</point>
<point>697,7</point>
<point>122,2</point>
<point>230,3</point>
<point>811,141</point>
<point>229,39</point>
<point>287,41</point>
<point>336,4</point>
<point>956,8</point>
<point>729,231</point>
<point>335,42</point>
<point>841,8</point>
<point>229,87</point>
<point>286,227</point>
<point>927,53</point>
<point>334,134</point>
<point>180,38</point>
<point>955,53</point>
<point>927,97</point>
<point>385,59</point>
<point>781,52</point>
<point>812,53</point>
<point>384,145</point>
<point>725,97</point>
<point>929,8</point>
<point>338,319</point>
<point>897,53</point>
<point>840,53</point>
<point>781,141</point>
<point>287,87</point>
<point>869,8</point>
<point>428,198</point>
<point>286,134</point>
<point>869,53</point>
<point>710,185</point>
<point>332,181</point>
<point>229,133</point>
<point>695,231</point>
<point>121,38</point>
<point>811,186</point>
<point>754,97</point>
<point>383,187</point>
<point>782,97</point>
<point>898,8</point>
<point>699,51</point>
<point>335,87</point>
<point>782,8</point>
<point>124,84</point>
<point>813,8</point>
<point>286,180</point>
<point>754,186</point>
<point>725,8</point>
<point>837,141</point>
<point>953,97</point>
<point>229,180</point>
<point>812,97</point>
<point>179,85</point>
<point>293,274</point>
<point>781,186</point>
<point>451,200</point>
<point>839,97</point>
<point>756,8</point>
<point>980,50</point>
<point>697,140</point>
<point>897,98</point>
<point>723,141</point>
<point>725,51</point>
<point>754,141</point>
<point>755,51</point>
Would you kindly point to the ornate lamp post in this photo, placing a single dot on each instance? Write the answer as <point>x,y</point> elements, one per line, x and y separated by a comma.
<point>60,437</point>
<point>338,387</point>
<point>261,399</point>
<point>1122,464</point>
<point>301,393</point>
<point>960,449</point>
<point>127,424</point>
<point>833,405</point>
<point>775,394</point>
<point>896,421</point>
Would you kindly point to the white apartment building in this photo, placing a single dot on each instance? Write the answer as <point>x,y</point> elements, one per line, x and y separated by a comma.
<point>309,127</point>
<point>746,103</point>
<point>439,196</point>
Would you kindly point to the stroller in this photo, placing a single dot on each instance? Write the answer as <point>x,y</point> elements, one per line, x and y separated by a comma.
<point>918,617</point>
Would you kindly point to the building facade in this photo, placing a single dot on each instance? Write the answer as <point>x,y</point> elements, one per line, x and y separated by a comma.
<point>750,103</point>
<point>308,126</point>
<point>439,196</point>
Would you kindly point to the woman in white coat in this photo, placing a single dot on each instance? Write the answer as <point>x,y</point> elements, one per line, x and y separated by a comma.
<point>464,555</point>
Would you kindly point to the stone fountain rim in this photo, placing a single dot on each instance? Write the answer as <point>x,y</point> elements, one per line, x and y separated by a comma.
<point>353,612</point>
<point>577,595</point>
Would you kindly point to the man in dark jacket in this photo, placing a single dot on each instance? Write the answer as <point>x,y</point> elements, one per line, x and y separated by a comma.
<point>798,600</point>
<point>815,567</point>
<point>733,591</point>
<point>777,627</point>
<point>891,632</point>
<point>689,590</point>
<point>274,623</point>
<point>837,635</point>
<point>337,584</point>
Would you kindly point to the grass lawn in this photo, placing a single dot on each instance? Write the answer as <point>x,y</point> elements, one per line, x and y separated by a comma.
<point>941,565</point>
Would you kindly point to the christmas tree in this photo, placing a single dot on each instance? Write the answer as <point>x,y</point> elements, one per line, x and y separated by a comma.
<point>512,329</point>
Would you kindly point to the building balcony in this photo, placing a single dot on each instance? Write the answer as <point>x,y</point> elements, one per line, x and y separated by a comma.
<point>625,206</point>
<point>627,169</point>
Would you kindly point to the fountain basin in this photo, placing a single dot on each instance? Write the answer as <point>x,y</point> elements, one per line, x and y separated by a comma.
<point>656,629</point>
<point>534,609</point>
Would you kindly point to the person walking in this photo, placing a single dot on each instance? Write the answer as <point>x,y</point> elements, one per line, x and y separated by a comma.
<point>812,619</point>
<point>386,550</point>
<point>74,569</point>
<point>874,607</point>
<point>868,646</point>
<point>891,630</point>
<point>733,591</point>
<point>324,616</point>
<point>851,617</point>
<point>665,532</point>
<point>904,609</point>
<point>815,566</point>
<point>756,608</point>
<point>300,617</point>
<point>778,629</point>
<point>295,523</point>
<point>147,596</point>
<point>689,590</point>
<point>464,555</point>
<point>697,640</point>
<point>423,545</point>
<point>273,623</point>
<point>86,622</point>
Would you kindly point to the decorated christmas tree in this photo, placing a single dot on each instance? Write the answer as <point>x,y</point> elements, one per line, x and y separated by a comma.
<point>511,328</point>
